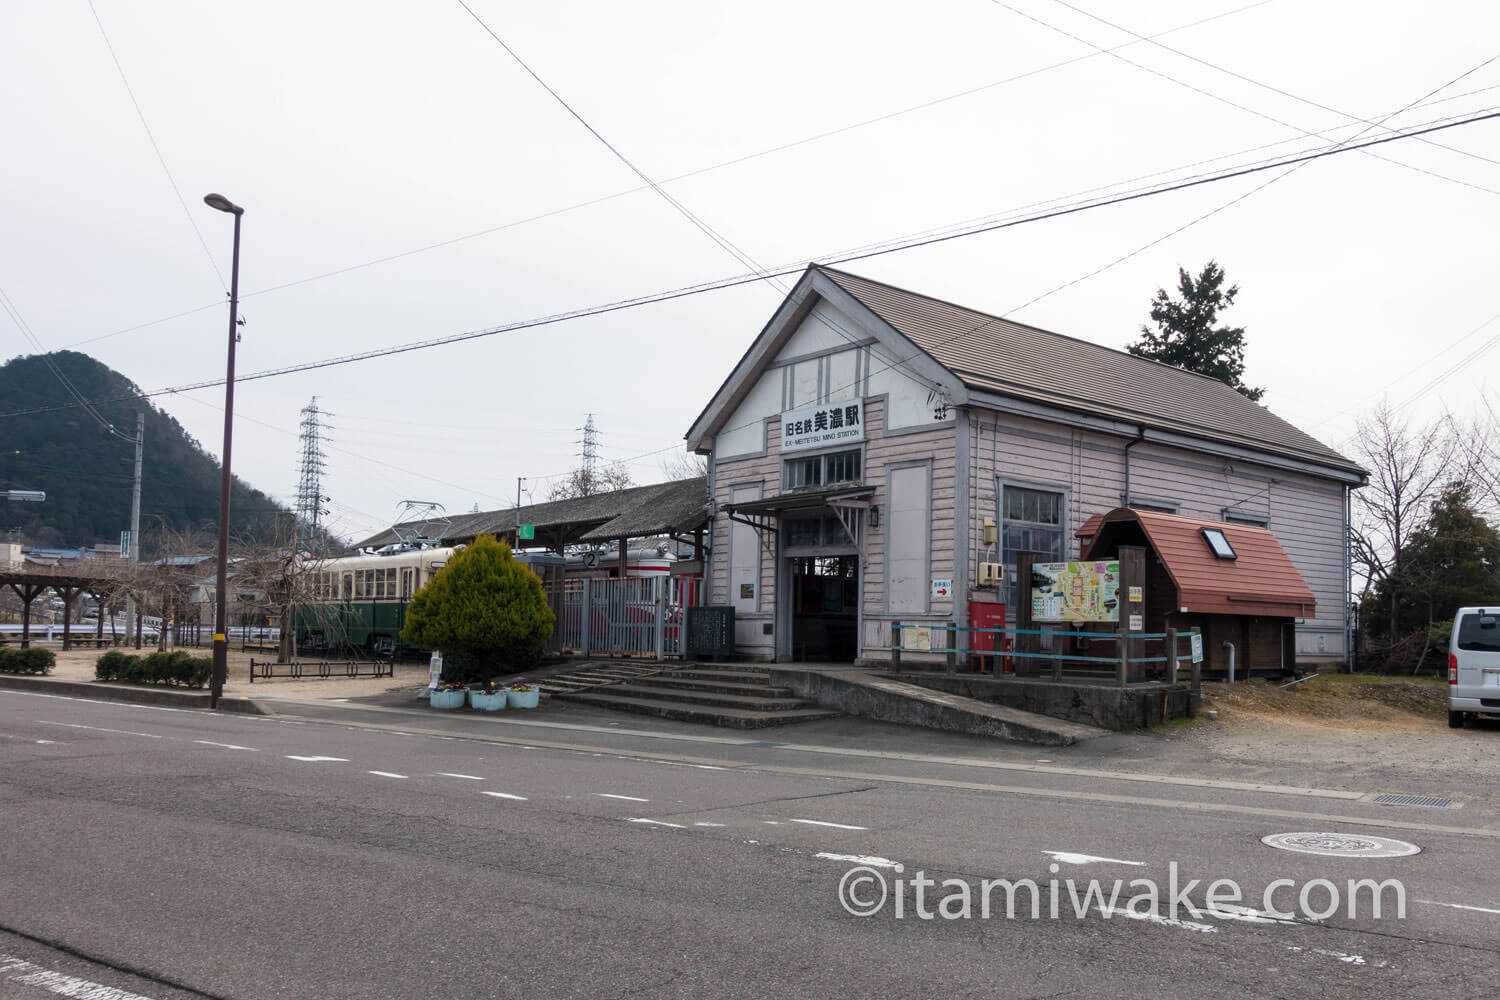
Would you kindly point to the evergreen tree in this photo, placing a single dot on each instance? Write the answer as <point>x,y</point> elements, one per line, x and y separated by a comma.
<point>1452,561</point>
<point>1187,335</point>
<point>486,613</point>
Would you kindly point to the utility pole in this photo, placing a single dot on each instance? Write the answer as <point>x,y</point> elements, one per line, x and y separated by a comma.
<point>134,548</point>
<point>519,481</point>
<point>226,480</point>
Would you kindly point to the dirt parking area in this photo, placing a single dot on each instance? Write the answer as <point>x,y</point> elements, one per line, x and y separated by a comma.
<point>1339,731</point>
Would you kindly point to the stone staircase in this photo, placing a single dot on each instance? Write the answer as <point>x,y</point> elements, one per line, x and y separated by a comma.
<point>738,696</point>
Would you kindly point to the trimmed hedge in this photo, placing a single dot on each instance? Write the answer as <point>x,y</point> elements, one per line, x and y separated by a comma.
<point>27,661</point>
<point>175,668</point>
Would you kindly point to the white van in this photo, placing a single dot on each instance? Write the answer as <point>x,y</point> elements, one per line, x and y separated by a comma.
<point>1474,665</point>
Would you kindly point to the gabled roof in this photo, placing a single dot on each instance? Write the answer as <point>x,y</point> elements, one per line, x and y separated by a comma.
<point>1260,580</point>
<point>660,508</point>
<point>1012,359</point>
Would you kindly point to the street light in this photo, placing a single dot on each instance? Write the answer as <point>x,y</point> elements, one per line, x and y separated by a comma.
<point>221,585</point>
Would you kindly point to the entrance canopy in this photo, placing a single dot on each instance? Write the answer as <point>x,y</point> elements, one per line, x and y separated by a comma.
<point>844,501</point>
<point>1217,567</point>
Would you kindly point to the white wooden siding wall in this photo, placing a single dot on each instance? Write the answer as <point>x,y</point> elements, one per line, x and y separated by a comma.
<point>934,446</point>
<point>937,446</point>
<point>906,539</point>
<point>1306,513</point>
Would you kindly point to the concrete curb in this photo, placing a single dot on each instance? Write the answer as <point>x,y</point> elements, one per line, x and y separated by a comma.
<point>858,692</point>
<point>128,693</point>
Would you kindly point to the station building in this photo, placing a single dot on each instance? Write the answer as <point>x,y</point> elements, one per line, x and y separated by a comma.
<point>872,441</point>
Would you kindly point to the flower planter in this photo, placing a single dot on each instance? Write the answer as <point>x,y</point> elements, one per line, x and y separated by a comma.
<point>523,699</point>
<point>487,702</point>
<point>447,699</point>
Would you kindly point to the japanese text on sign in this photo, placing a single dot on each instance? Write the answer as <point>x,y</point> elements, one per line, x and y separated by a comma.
<point>816,426</point>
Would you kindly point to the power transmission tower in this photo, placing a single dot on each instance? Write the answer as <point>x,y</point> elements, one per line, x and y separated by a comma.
<point>310,498</point>
<point>590,448</point>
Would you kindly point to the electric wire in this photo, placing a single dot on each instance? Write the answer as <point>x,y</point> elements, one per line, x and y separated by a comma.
<point>865,254</point>
<point>793,144</point>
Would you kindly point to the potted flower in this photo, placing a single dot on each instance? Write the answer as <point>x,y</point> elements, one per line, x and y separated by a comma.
<point>448,694</point>
<point>487,697</point>
<point>523,695</point>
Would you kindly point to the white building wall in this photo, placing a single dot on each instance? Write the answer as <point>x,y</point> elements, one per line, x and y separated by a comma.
<point>1306,513</point>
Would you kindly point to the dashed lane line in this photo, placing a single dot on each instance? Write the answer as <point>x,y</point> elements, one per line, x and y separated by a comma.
<point>100,729</point>
<point>466,777</point>
<point>622,798</point>
<point>819,822</point>
<point>507,795</point>
<point>316,759</point>
<point>18,970</point>
<point>387,774</point>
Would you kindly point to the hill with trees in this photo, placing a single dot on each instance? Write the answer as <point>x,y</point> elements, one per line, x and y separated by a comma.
<point>51,443</point>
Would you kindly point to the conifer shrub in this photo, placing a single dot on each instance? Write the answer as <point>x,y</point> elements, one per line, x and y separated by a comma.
<point>486,613</point>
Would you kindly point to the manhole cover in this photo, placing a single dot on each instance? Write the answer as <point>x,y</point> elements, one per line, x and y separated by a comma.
<point>1340,845</point>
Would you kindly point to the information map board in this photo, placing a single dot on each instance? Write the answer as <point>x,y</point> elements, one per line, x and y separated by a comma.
<point>1075,592</point>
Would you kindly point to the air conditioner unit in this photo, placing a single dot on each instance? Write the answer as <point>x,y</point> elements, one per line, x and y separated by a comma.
<point>991,573</point>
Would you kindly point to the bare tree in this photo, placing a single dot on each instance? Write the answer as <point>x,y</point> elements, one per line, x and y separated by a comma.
<point>1480,443</point>
<point>1408,467</point>
<point>684,465</point>
<point>585,482</point>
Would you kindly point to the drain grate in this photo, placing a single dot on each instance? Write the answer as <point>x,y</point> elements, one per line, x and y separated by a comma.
<point>1340,845</point>
<point>1436,801</point>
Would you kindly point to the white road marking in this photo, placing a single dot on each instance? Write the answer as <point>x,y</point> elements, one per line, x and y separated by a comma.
<point>507,795</point>
<point>836,826</point>
<point>623,798</point>
<point>771,822</point>
<point>1340,955</point>
<point>1069,858</point>
<point>226,746</point>
<point>387,774</point>
<point>315,760</point>
<point>708,824</point>
<point>338,699</point>
<point>861,859</point>
<point>1456,906</point>
<point>1157,918</point>
<point>21,971</point>
<point>1246,914</point>
<point>657,822</point>
<point>46,742</point>
<point>467,777</point>
<point>98,729</point>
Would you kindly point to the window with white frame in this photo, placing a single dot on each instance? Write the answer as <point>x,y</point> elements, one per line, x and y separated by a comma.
<point>1031,520</point>
<point>821,470</point>
<point>1246,517</point>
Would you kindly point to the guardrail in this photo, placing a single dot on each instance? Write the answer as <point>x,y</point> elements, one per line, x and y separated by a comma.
<point>322,669</point>
<point>1004,648</point>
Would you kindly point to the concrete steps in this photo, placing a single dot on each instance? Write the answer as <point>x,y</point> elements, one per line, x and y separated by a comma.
<point>737,697</point>
<point>732,718</point>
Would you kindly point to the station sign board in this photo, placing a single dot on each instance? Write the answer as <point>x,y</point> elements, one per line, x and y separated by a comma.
<point>822,425</point>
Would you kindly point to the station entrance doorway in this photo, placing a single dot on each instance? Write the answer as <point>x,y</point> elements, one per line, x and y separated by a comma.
<point>825,608</point>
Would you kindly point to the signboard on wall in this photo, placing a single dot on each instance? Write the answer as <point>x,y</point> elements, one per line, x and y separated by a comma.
<point>823,425</point>
<point>1075,592</point>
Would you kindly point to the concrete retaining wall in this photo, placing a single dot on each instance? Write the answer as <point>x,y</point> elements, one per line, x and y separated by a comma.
<point>1096,705</point>
<point>886,699</point>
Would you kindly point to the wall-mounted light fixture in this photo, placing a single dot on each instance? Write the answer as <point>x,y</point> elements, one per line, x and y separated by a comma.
<point>874,515</point>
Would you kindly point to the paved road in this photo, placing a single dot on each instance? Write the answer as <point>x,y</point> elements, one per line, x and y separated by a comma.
<point>345,852</point>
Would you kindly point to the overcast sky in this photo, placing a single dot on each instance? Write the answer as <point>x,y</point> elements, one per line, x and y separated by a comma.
<point>352,132</point>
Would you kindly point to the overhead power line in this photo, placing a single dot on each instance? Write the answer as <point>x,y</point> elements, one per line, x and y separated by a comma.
<point>699,171</point>
<point>160,158</point>
<point>877,250</point>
